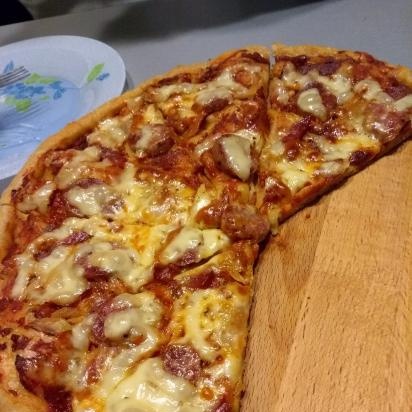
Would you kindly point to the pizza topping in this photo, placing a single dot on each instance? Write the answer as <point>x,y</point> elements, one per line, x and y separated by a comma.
<point>39,199</point>
<point>201,244</point>
<point>152,389</point>
<point>31,373</point>
<point>111,133</point>
<point>79,166</point>
<point>371,90</point>
<point>337,84</point>
<point>210,277</point>
<point>404,103</point>
<point>19,342</point>
<point>58,399</point>
<point>383,122</point>
<point>292,138</point>
<point>310,101</point>
<point>154,140</point>
<point>214,99</point>
<point>123,263</point>
<point>213,319</point>
<point>81,333</point>
<point>139,320</point>
<point>56,278</point>
<point>94,200</point>
<point>182,361</point>
<point>232,153</point>
<point>243,222</point>
<point>223,405</point>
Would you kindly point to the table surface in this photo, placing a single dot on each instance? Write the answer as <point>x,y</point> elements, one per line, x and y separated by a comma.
<point>331,326</point>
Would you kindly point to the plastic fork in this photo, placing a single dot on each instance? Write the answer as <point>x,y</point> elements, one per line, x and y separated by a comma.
<point>14,76</point>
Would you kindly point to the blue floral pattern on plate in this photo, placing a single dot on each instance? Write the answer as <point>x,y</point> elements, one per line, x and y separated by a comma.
<point>37,88</point>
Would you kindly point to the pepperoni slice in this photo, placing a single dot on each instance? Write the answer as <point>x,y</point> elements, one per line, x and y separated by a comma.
<point>58,398</point>
<point>295,135</point>
<point>182,361</point>
<point>385,123</point>
<point>19,342</point>
<point>153,140</point>
<point>243,222</point>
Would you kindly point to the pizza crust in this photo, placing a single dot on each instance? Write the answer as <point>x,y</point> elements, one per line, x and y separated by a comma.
<point>404,74</point>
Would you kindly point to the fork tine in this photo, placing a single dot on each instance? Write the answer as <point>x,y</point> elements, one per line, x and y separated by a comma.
<point>19,73</point>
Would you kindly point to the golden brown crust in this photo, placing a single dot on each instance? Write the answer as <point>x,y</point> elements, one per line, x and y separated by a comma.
<point>6,221</point>
<point>403,73</point>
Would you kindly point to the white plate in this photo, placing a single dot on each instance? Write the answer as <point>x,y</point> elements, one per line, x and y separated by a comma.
<point>70,76</point>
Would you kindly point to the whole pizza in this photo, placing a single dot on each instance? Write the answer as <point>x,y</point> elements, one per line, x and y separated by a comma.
<point>128,240</point>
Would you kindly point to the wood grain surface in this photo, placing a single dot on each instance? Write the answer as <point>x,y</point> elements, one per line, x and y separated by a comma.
<point>331,323</point>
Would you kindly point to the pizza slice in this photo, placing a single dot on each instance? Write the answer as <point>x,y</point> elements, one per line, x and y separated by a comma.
<point>128,245</point>
<point>332,112</point>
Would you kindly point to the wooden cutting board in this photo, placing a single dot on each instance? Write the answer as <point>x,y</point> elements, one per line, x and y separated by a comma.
<point>331,324</point>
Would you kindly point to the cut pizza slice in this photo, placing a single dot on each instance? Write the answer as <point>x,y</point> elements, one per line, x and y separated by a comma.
<point>128,247</point>
<point>332,112</point>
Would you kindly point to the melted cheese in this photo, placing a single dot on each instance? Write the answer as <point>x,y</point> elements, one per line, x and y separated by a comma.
<point>202,199</point>
<point>204,243</point>
<point>123,263</point>
<point>404,103</point>
<point>154,202</point>
<point>223,86</point>
<point>151,389</point>
<point>310,101</point>
<point>237,153</point>
<point>371,90</point>
<point>92,200</point>
<point>337,84</point>
<point>213,321</point>
<point>279,90</point>
<point>39,199</point>
<point>138,319</point>
<point>188,238</point>
<point>146,138</point>
<point>142,312</point>
<point>152,115</point>
<point>111,132</point>
<point>209,95</point>
<point>295,174</point>
<point>57,279</point>
<point>277,148</point>
<point>345,146</point>
<point>79,166</point>
<point>81,333</point>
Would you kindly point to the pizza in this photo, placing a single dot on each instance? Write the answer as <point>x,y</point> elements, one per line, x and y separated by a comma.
<point>331,113</point>
<point>129,238</point>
